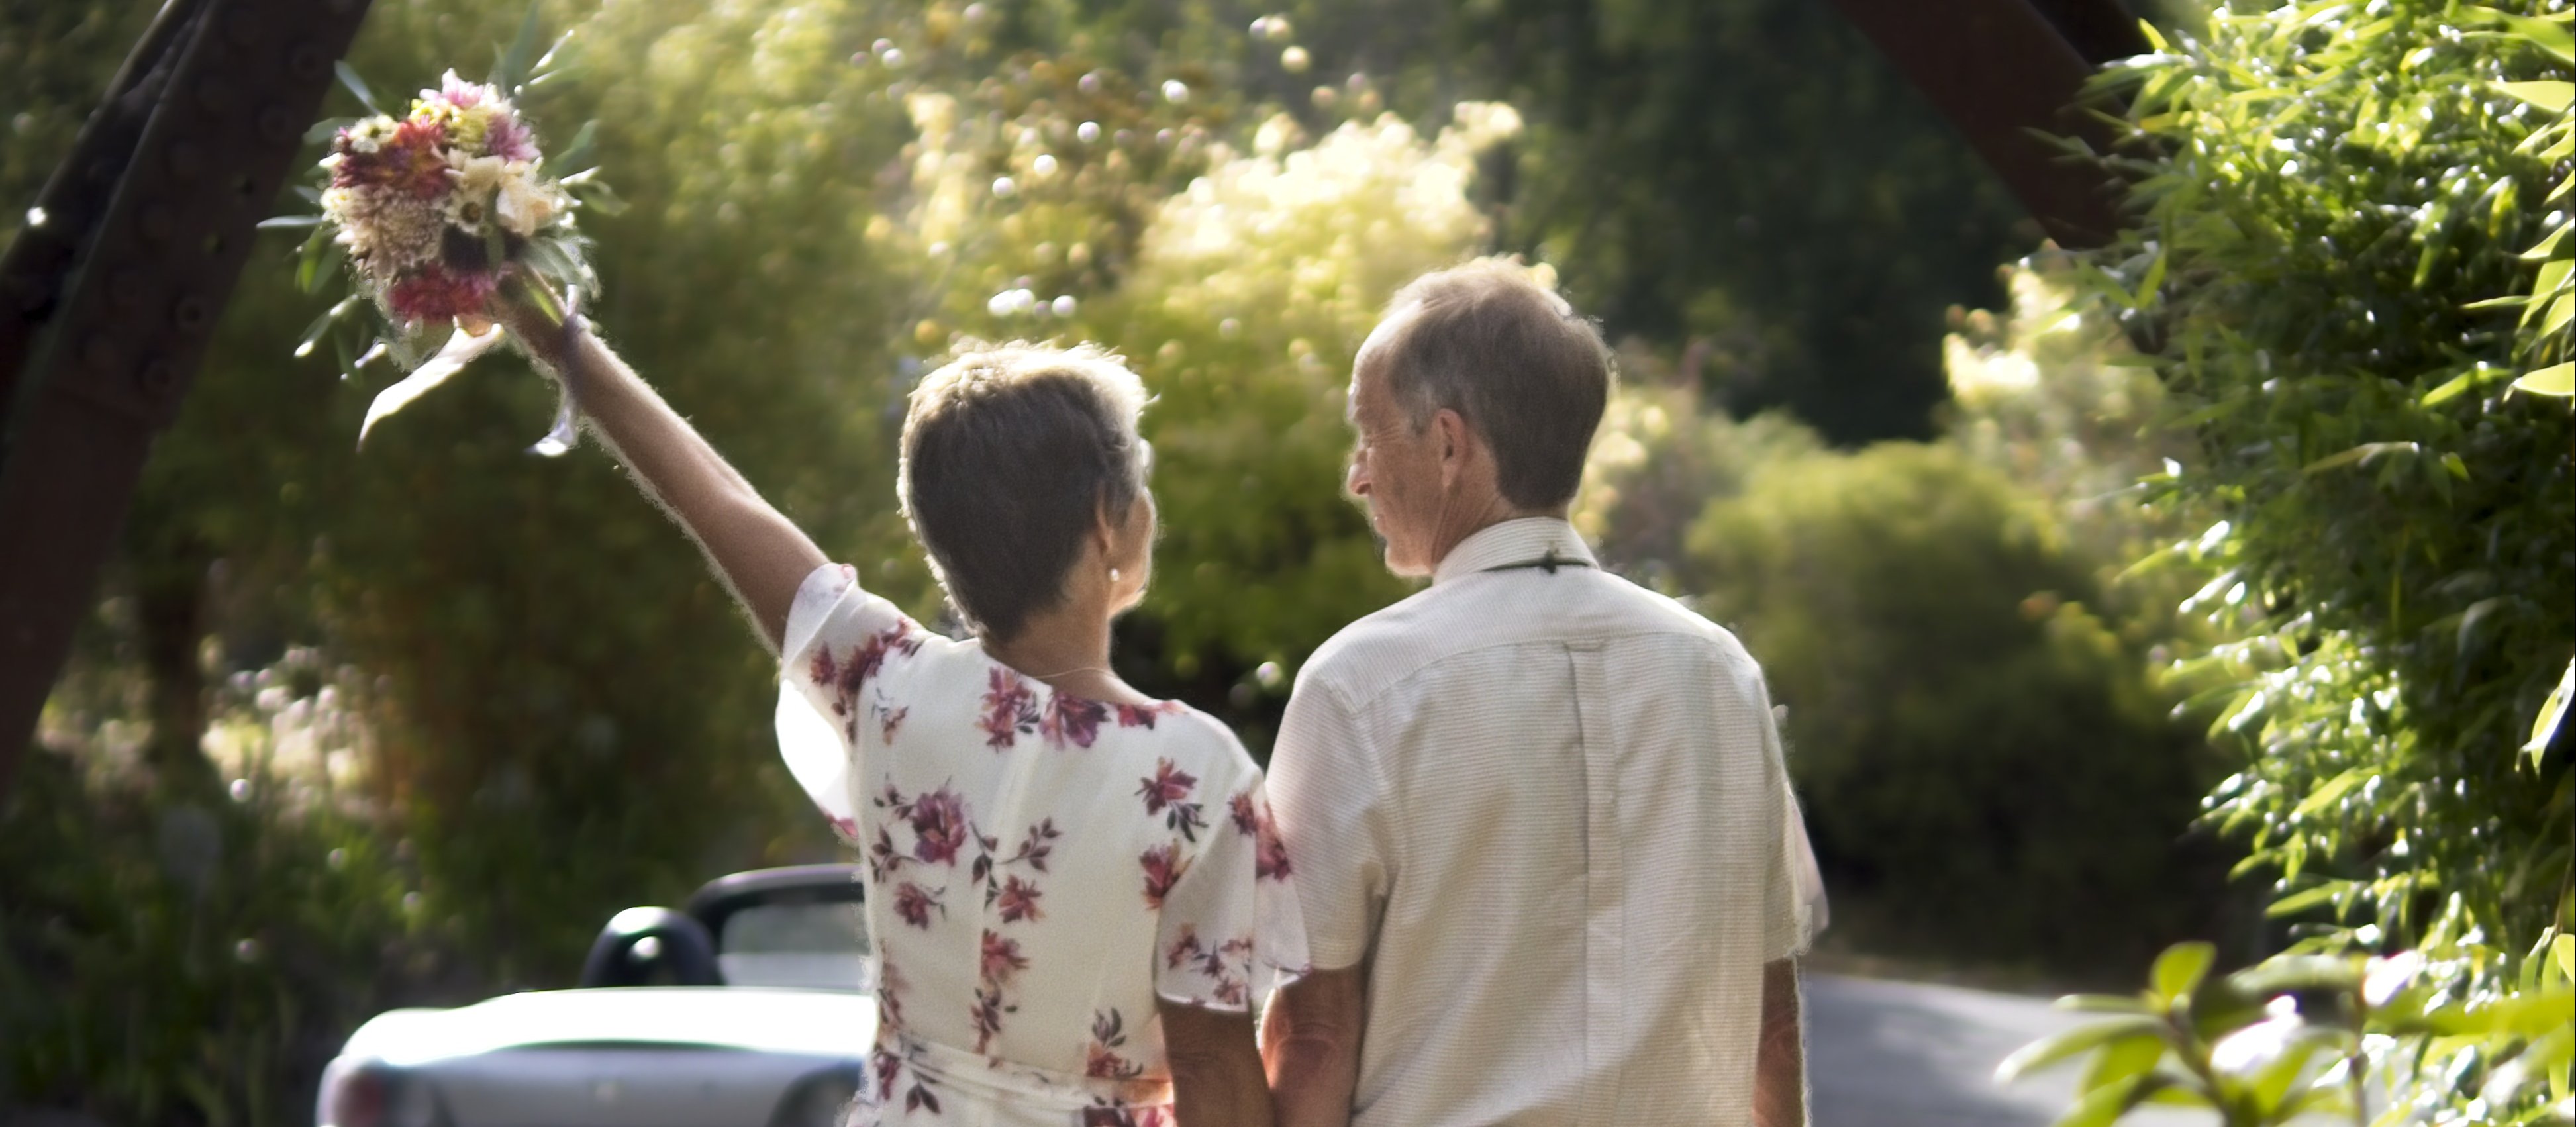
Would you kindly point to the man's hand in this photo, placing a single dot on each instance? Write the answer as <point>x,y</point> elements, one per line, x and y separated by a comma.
<point>1311,1042</point>
<point>1780,1064</point>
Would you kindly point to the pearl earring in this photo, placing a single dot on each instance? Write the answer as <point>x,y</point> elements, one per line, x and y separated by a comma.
<point>1113,575</point>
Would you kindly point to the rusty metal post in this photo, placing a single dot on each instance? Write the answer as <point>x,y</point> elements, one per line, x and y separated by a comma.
<point>2000,70</point>
<point>102,340</point>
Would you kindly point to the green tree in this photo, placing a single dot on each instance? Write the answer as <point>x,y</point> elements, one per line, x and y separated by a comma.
<point>2352,258</point>
<point>1965,728</point>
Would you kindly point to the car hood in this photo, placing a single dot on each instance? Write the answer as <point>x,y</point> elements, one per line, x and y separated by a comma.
<point>805,1022</point>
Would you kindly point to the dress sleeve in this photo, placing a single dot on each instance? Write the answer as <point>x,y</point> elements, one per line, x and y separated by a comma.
<point>1229,932</point>
<point>823,671</point>
<point>1793,907</point>
<point>1332,804</point>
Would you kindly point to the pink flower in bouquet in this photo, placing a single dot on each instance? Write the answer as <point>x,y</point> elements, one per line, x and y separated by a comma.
<point>403,158</point>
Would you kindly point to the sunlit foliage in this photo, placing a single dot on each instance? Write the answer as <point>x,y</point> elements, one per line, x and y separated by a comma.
<point>2352,263</point>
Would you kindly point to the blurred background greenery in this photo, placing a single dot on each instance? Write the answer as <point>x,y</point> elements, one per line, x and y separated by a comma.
<point>349,731</point>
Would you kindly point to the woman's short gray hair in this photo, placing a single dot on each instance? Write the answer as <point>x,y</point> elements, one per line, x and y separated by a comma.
<point>1008,452</point>
<point>1490,340</point>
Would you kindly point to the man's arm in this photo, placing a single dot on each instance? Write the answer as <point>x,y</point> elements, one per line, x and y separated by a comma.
<point>760,555</point>
<point>1780,1065</point>
<point>1312,1044</point>
<point>1216,1070</point>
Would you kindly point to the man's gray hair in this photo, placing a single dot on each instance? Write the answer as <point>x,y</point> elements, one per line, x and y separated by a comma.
<point>1008,452</point>
<point>1491,341</point>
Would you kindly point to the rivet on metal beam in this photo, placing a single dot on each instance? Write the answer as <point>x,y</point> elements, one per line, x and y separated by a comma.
<point>156,377</point>
<point>276,124</point>
<point>125,287</point>
<point>307,61</point>
<point>99,352</point>
<point>214,95</point>
<point>189,313</point>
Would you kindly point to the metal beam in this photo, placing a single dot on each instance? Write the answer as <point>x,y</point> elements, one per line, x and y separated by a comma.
<point>105,338</point>
<point>2000,70</point>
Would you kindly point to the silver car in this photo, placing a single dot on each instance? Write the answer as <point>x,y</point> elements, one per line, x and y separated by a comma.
<point>751,1007</point>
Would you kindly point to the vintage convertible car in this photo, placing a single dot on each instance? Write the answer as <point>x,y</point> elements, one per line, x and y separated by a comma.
<point>751,1007</point>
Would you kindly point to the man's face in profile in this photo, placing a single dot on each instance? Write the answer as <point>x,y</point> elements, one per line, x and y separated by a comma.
<point>1393,470</point>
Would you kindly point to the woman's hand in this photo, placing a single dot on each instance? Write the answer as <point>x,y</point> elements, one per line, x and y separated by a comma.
<point>539,323</point>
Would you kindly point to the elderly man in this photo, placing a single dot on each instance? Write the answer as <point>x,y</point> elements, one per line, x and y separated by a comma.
<point>1546,851</point>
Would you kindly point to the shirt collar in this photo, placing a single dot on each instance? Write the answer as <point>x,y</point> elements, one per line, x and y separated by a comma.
<point>1513,542</point>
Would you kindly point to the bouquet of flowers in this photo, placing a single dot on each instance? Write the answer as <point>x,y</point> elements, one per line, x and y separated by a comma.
<point>436,213</point>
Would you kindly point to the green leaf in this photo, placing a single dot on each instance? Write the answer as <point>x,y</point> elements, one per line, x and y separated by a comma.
<point>597,196</point>
<point>2364,454</point>
<point>2541,33</point>
<point>314,272</point>
<point>2450,388</point>
<point>511,70</point>
<point>356,85</point>
<point>288,222</point>
<point>2103,1004</point>
<point>2557,381</point>
<point>2541,251</point>
<point>2551,96</point>
<point>2301,901</point>
<point>2560,312</point>
<point>322,324</point>
<point>2129,1056</point>
<point>2544,727</point>
<point>2334,788</point>
<point>2152,286</point>
<point>2060,1047</point>
<point>2105,1105</point>
<point>327,128</point>
<point>571,157</point>
<point>2179,970</point>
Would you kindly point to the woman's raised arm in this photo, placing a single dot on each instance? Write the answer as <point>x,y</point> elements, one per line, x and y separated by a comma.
<point>760,555</point>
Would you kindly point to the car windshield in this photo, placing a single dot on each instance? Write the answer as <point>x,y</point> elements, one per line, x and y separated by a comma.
<point>815,945</point>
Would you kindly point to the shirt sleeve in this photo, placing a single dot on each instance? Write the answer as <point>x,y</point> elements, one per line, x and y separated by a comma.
<point>823,672</point>
<point>1331,799</point>
<point>1228,924</point>
<point>1793,906</point>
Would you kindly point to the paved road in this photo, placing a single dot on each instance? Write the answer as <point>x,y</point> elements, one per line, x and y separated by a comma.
<point>1901,1054</point>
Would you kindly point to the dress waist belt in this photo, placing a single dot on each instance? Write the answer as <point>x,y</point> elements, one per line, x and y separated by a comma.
<point>1009,1082</point>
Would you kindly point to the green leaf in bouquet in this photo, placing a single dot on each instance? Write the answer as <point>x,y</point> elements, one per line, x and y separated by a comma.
<point>511,70</point>
<point>322,324</point>
<point>315,271</point>
<point>327,128</point>
<point>573,154</point>
<point>545,64</point>
<point>288,222</point>
<point>597,195</point>
<point>356,85</point>
<point>551,260</point>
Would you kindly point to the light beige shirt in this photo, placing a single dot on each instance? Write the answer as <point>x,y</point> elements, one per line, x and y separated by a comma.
<point>1547,807</point>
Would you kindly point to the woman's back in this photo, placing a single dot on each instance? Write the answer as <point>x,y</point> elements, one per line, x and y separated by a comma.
<point>1041,867</point>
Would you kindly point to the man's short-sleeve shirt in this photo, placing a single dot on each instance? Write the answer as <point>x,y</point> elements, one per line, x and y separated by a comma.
<point>1547,807</point>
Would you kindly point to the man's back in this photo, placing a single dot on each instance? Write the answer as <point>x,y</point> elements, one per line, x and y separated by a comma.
<point>1547,808</point>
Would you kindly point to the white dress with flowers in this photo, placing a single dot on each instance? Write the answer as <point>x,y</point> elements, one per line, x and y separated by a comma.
<point>1041,868</point>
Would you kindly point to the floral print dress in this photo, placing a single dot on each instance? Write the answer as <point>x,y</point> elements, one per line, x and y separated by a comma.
<point>1041,868</point>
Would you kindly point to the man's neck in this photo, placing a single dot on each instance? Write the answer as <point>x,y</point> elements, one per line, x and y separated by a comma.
<point>1494,513</point>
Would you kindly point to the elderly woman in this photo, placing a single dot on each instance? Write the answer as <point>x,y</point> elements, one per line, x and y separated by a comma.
<point>1065,877</point>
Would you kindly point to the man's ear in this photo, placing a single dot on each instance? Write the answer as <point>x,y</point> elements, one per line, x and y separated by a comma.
<point>1449,429</point>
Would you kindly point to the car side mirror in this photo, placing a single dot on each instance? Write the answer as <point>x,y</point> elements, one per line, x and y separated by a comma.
<point>640,941</point>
